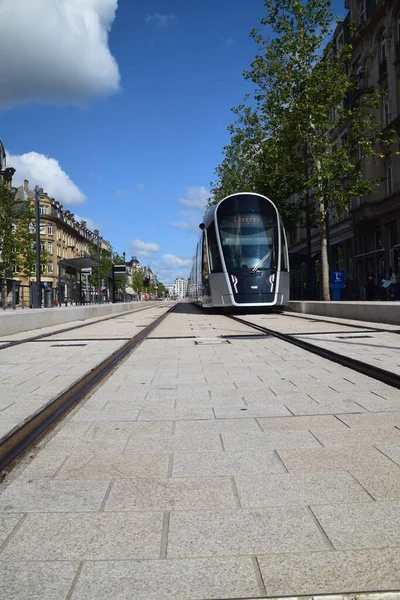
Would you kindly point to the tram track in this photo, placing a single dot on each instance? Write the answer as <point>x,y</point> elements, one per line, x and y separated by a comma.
<point>364,368</point>
<point>315,318</point>
<point>21,438</point>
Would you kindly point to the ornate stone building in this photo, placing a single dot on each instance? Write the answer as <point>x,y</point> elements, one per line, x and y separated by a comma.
<point>367,237</point>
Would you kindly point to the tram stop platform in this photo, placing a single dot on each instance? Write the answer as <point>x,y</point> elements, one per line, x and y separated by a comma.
<point>28,319</point>
<point>377,312</point>
<point>215,462</point>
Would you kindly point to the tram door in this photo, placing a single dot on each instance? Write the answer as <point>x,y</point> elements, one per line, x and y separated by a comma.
<point>205,271</point>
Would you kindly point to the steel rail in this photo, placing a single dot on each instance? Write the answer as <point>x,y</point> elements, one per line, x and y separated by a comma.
<point>40,336</point>
<point>372,371</point>
<point>23,436</point>
<point>310,317</point>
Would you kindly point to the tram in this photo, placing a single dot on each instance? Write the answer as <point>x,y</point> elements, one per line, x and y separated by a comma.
<point>241,258</point>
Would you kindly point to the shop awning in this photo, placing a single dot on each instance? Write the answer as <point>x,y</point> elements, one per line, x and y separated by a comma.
<point>77,264</point>
<point>368,254</point>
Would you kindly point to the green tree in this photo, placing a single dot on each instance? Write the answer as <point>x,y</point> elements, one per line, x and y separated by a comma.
<point>137,281</point>
<point>8,247</point>
<point>106,268</point>
<point>302,89</point>
<point>25,238</point>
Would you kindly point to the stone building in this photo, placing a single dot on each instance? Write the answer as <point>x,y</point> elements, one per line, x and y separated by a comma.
<point>367,237</point>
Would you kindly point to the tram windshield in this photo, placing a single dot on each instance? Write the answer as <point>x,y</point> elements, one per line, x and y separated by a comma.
<point>248,230</point>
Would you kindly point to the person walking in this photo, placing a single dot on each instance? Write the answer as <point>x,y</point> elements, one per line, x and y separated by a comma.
<point>370,286</point>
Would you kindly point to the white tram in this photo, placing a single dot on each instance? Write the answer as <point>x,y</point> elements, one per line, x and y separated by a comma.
<point>241,258</point>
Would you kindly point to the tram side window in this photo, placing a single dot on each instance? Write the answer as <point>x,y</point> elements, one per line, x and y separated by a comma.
<point>205,260</point>
<point>284,254</point>
<point>213,251</point>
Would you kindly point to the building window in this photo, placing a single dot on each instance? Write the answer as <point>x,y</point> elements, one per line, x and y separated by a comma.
<point>42,247</point>
<point>383,63</point>
<point>389,176</point>
<point>362,11</point>
<point>43,268</point>
<point>50,248</point>
<point>398,37</point>
<point>378,239</point>
<point>42,228</point>
<point>50,229</point>
<point>385,109</point>
<point>42,209</point>
<point>360,75</point>
<point>50,267</point>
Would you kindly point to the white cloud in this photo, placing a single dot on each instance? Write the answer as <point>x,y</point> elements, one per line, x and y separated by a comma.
<point>48,174</point>
<point>145,249</point>
<point>170,260</point>
<point>196,197</point>
<point>228,43</point>
<point>56,51</point>
<point>90,224</point>
<point>127,193</point>
<point>186,225</point>
<point>124,193</point>
<point>162,20</point>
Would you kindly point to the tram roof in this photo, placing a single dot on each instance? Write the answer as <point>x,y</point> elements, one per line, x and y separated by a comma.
<point>210,212</point>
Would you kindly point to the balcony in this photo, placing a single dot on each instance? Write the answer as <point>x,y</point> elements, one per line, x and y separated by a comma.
<point>383,67</point>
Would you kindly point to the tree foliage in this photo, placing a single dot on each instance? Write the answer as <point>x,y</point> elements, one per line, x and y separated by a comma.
<point>286,143</point>
<point>8,247</point>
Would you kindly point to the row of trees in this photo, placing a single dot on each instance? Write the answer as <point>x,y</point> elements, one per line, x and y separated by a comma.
<point>283,138</point>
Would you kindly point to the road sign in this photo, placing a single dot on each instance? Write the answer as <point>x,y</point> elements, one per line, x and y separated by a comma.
<point>337,277</point>
<point>119,270</point>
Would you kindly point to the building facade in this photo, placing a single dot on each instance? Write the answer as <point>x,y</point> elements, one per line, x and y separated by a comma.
<point>180,287</point>
<point>62,237</point>
<point>366,238</point>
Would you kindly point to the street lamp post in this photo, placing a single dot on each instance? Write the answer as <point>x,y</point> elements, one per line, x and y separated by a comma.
<point>124,256</point>
<point>98,258</point>
<point>37,299</point>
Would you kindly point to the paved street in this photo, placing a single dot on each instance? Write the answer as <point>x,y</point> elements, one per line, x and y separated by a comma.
<point>208,467</point>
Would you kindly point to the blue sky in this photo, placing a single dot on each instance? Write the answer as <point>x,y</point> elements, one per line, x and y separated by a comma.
<point>127,134</point>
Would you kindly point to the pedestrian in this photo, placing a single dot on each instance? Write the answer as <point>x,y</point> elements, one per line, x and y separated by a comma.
<point>370,286</point>
<point>394,286</point>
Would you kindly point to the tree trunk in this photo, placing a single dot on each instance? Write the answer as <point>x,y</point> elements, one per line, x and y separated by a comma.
<point>324,250</point>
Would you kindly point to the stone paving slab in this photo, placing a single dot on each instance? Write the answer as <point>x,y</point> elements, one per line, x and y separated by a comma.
<point>175,443</point>
<point>298,488</point>
<point>321,422</point>
<point>269,440</point>
<point>86,536</point>
<point>212,578</point>
<point>332,459</point>
<point>53,496</point>
<point>331,572</point>
<point>171,494</point>
<point>7,524</point>
<point>37,580</point>
<point>203,464</point>
<point>233,532</point>
<point>369,525</point>
<point>217,426</point>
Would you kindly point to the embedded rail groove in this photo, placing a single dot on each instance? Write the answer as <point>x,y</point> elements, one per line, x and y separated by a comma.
<point>65,329</point>
<point>21,438</point>
<point>309,317</point>
<point>372,371</point>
